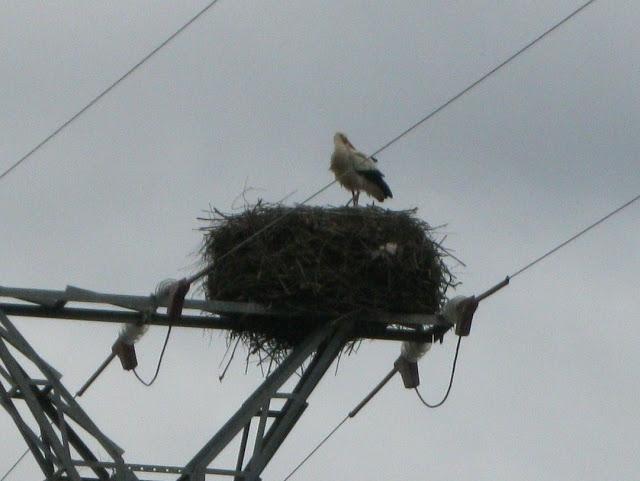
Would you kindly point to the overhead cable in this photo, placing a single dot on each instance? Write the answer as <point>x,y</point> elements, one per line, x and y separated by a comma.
<point>434,112</point>
<point>481,79</point>
<point>318,446</point>
<point>351,414</point>
<point>574,237</point>
<point>106,91</point>
<point>431,114</point>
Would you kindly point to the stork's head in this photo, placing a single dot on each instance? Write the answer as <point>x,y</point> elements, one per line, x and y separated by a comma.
<point>339,139</point>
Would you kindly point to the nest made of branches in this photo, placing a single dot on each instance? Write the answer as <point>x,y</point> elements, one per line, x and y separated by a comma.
<point>311,260</point>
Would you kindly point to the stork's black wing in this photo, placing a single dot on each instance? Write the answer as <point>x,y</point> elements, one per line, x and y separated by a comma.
<point>376,177</point>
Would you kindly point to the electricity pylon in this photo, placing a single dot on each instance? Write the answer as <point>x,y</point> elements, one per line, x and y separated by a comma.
<point>62,451</point>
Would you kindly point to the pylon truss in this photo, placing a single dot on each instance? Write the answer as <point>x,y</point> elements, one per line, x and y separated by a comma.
<point>55,412</point>
<point>80,304</point>
<point>257,429</point>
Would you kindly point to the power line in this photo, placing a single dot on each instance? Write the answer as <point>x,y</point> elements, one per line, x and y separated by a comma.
<point>106,91</point>
<point>455,359</point>
<point>484,77</point>
<point>431,114</point>
<point>71,120</point>
<point>368,398</point>
<point>205,270</point>
<point>22,456</point>
<point>146,383</point>
<point>15,465</point>
<point>572,238</point>
<point>384,147</point>
<point>211,4</point>
<point>453,373</point>
<point>86,386</point>
<point>318,446</point>
<point>353,413</point>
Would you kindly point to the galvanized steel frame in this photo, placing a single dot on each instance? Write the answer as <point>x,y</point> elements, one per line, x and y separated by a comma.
<point>81,304</point>
<point>51,406</point>
<point>49,401</point>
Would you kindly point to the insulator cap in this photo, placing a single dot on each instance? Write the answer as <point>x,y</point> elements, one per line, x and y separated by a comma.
<point>459,311</point>
<point>126,353</point>
<point>409,372</point>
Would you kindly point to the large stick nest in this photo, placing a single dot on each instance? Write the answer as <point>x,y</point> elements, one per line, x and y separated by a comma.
<point>314,260</point>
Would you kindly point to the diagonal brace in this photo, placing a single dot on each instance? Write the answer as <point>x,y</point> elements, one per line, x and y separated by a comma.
<point>260,397</point>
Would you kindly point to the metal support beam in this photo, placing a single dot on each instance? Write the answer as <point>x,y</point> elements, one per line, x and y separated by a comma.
<point>50,404</point>
<point>242,450</point>
<point>296,405</point>
<point>34,443</point>
<point>365,329</point>
<point>53,407</point>
<point>326,342</point>
<point>228,315</point>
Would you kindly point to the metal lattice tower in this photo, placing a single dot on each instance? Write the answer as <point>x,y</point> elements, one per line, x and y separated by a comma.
<point>259,426</point>
<point>54,410</point>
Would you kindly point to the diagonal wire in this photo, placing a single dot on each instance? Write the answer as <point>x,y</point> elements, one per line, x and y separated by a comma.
<point>520,271</point>
<point>357,409</point>
<point>15,465</point>
<point>431,114</point>
<point>106,91</point>
<point>205,270</point>
<point>318,446</point>
<point>78,114</point>
<point>22,456</point>
<point>574,237</point>
<point>384,147</point>
<point>484,77</point>
<point>146,383</point>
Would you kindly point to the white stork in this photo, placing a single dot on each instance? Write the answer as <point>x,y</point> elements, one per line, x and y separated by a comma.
<point>356,172</point>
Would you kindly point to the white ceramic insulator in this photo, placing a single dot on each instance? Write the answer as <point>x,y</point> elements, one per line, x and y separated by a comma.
<point>131,333</point>
<point>162,289</point>
<point>413,351</point>
<point>451,310</point>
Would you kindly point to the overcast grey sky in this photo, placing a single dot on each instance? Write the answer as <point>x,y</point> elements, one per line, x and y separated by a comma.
<point>547,384</point>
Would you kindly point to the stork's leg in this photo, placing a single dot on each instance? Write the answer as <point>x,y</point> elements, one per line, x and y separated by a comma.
<point>356,198</point>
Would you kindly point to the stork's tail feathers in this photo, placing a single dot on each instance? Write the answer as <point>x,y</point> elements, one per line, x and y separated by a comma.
<point>382,190</point>
<point>385,189</point>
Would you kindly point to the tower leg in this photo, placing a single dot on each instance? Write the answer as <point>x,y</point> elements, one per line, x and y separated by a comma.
<point>326,342</point>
